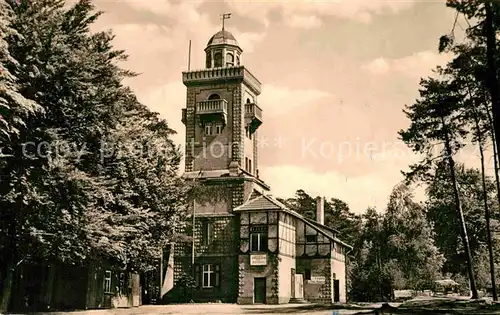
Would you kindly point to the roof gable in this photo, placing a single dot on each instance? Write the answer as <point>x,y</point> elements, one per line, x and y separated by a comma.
<point>262,202</point>
<point>258,201</point>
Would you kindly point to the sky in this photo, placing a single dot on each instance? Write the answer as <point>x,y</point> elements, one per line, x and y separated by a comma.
<point>335,76</point>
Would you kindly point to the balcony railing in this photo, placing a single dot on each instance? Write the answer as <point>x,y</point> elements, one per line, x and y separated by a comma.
<point>212,107</point>
<point>222,73</point>
<point>253,115</point>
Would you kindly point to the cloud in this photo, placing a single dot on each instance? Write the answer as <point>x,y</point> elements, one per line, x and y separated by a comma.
<point>184,11</point>
<point>186,22</point>
<point>304,21</point>
<point>307,13</point>
<point>167,100</point>
<point>378,66</point>
<point>277,100</point>
<point>157,37</point>
<point>247,40</point>
<point>416,66</point>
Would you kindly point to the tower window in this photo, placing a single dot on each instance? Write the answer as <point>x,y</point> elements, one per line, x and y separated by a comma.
<point>218,129</point>
<point>209,59</point>
<point>229,60</point>
<point>249,166</point>
<point>237,60</point>
<point>248,101</point>
<point>207,234</point>
<point>218,59</point>
<point>248,133</point>
<point>208,130</point>
<point>214,96</point>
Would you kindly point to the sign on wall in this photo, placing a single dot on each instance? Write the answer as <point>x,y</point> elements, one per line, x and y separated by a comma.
<point>258,260</point>
<point>317,279</point>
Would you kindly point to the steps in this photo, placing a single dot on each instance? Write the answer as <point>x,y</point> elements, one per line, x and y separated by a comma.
<point>297,301</point>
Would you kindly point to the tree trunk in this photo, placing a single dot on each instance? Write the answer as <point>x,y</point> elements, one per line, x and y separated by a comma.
<point>493,87</point>
<point>7,289</point>
<point>460,213</point>
<point>486,208</point>
<point>495,148</point>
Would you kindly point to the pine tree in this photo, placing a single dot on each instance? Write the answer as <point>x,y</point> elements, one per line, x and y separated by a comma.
<point>436,121</point>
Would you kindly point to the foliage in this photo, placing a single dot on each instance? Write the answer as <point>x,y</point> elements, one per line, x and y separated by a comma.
<point>96,177</point>
<point>395,250</point>
<point>441,213</point>
<point>15,109</point>
<point>187,284</point>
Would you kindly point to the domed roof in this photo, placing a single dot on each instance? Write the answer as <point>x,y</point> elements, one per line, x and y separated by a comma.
<point>222,37</point>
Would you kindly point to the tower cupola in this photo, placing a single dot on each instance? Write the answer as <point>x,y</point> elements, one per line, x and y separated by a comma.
<point>222,51</point>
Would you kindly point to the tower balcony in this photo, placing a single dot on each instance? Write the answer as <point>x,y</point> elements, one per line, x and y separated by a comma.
<point>253,116</point>
<point>184,115</point>
<point>212,109</point>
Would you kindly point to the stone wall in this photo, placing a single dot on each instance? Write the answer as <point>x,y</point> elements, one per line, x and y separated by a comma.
<point>221,251</point>
<point>225,238</point>
<point>319,267</point>
<point>206,152</point>
<point>247,273</point>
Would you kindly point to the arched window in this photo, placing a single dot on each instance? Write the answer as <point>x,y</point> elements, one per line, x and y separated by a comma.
<point>218,59</point>
<point>248,101</point>
<point>209,59</point>
<point>229,60</point>
<point>237,60</point>
<point>214,97</point>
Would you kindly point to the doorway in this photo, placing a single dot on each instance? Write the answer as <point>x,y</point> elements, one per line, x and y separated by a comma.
<point>259,291</point>
<point>336,292</point>
<point>299,286</point>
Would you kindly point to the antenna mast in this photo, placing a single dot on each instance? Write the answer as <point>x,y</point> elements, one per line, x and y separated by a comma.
<point>224,17</point>
<point>189,56</point>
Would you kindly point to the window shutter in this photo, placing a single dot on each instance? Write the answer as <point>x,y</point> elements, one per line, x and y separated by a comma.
<point>210,232</point>
<point>217,275</point>
<point>204,233</point>
<point>197,275</point>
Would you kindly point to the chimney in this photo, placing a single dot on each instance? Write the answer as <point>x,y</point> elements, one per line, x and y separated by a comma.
<point>320,210</point>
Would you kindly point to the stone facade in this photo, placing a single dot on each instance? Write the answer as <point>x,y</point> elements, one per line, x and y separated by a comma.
<point>246,247</point>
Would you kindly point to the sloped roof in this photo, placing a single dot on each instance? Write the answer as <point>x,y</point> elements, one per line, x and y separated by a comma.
<point>261,202</point>
<point>268,202</point>
<point>222,37</point>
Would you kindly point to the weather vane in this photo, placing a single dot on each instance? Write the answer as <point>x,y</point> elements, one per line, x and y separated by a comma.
<point>225,16</point>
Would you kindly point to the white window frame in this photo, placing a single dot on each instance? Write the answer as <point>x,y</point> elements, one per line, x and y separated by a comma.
<point>207,239</point>
<point>218,129</point>
<point>208,270</point>
<point>259,235</point>
<point>208,130</point>
<point>107,281</point>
